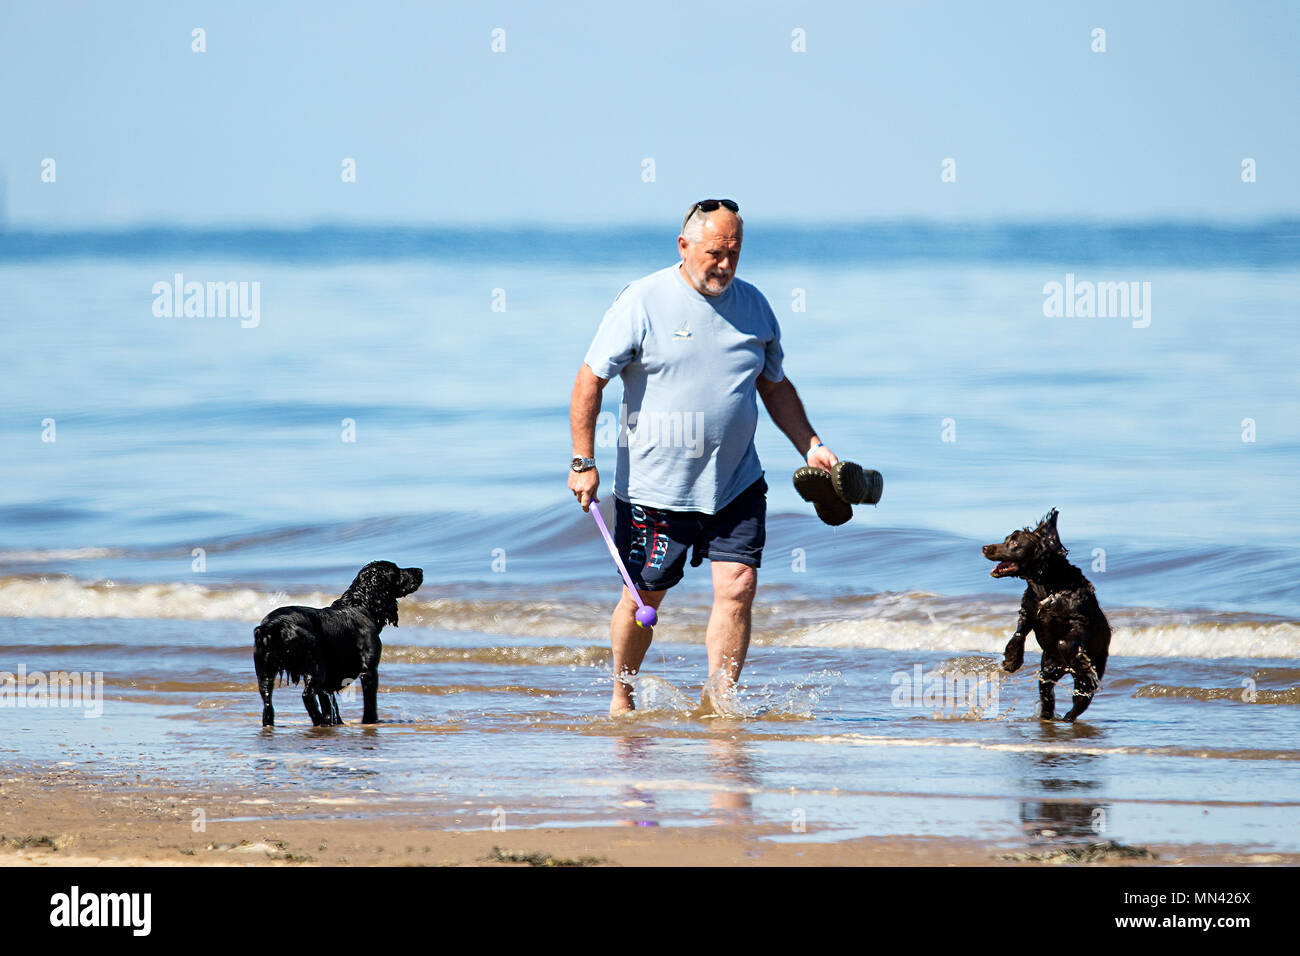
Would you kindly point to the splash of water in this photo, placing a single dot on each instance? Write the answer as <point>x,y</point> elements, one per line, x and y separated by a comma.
<point>720,699</point>
<point>654,695</point>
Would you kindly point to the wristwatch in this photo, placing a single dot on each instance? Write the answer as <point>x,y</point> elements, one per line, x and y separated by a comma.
<point>583,464</point>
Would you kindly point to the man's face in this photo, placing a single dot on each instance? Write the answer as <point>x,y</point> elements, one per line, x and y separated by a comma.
<point>710,264</point>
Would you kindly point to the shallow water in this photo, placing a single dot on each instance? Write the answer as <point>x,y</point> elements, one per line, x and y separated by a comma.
<point>822,742</point>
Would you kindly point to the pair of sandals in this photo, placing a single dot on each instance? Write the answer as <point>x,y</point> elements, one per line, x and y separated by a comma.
<point>834,493</point>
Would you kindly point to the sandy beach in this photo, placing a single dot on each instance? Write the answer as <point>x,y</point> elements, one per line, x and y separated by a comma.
<point>70,818</point>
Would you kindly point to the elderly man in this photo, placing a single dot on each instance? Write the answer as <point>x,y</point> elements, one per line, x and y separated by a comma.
<point>693,344</point>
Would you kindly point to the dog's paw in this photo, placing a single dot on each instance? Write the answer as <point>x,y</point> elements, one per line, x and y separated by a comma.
<point>1013,657</point>
<point>1082,665</point>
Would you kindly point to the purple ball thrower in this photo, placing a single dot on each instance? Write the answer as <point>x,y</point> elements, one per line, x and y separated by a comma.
<point>645,614</point>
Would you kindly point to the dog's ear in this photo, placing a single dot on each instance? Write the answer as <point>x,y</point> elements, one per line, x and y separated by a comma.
<point>1047,533</point>
<point>375,589</point>
<point>385,591</point>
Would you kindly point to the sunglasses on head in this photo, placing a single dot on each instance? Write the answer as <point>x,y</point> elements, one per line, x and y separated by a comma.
<point>709,205</point>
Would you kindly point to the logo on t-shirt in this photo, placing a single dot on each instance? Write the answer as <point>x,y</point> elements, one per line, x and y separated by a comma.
<point>684,332</point>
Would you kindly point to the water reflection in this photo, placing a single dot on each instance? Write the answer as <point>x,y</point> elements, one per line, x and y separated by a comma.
<point>732,764</point>
<point>1068,774</point>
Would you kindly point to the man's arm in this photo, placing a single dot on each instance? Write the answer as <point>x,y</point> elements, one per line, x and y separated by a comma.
<point>786,408</point>
<point>584,407</point>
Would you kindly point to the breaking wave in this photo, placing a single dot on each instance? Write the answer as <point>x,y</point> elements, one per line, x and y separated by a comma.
<point>907,621</point>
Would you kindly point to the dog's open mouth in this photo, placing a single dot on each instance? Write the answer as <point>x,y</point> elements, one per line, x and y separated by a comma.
<point>1003,569</point>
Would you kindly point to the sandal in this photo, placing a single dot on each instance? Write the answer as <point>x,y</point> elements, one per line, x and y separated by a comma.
<point>815,485</point>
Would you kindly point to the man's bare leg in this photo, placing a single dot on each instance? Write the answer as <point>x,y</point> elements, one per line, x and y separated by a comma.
<point>727,639</point>
<point>629,642</point>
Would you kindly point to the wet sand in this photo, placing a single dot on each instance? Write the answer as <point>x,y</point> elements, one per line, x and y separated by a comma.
<point>71,818</point>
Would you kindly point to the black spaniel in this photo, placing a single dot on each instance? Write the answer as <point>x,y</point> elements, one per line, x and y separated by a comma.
<point>326,647</point>
<point>1060,607</point>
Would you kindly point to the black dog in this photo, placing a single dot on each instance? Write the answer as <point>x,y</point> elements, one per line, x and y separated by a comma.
<point>326,646</point>
<point>1061,608</point>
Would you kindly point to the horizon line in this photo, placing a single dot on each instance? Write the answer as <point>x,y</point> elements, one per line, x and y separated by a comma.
<point>321,225</point>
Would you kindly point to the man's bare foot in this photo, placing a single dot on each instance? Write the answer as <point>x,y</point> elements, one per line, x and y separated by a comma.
<point>719,696</point>
<point>623,700</point>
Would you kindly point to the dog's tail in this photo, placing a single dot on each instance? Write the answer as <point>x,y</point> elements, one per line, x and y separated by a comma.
<point>263,636</point>
<point>267,640</point>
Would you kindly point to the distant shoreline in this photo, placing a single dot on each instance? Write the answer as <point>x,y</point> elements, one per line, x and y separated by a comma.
<point>1269,244</point>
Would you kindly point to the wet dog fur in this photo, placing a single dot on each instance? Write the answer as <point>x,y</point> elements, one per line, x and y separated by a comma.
<point>1060,607</point>
<point>328,647</point>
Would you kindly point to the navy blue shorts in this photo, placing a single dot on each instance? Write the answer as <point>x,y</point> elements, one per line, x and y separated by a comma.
<point>653,541</point>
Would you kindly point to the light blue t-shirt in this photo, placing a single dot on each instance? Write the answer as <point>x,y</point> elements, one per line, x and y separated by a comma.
<point>689,365</point>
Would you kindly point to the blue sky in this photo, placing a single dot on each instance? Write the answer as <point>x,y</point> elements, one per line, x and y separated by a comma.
<point>554,130</point>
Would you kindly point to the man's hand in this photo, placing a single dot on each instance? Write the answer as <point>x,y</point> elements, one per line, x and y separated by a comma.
<point>584,484</point>
<point>821,457</point>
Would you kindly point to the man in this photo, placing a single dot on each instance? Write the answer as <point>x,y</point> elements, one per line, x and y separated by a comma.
<point>693,344</point>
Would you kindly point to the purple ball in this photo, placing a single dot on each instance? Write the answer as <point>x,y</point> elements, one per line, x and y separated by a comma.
<point>645,616</point>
